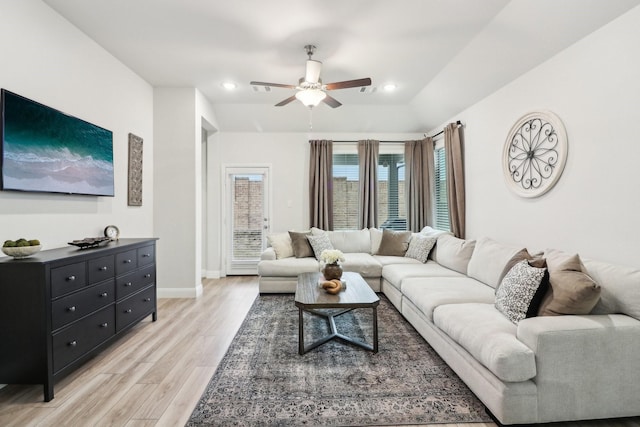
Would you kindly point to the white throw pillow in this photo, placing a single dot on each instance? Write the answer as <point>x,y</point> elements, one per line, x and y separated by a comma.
<point>281,244</point>
<point>376,239</point>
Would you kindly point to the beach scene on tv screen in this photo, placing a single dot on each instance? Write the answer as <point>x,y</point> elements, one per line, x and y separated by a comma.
<point>45,150</point>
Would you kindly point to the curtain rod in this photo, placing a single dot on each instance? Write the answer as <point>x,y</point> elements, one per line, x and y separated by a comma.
<point>458,123</point>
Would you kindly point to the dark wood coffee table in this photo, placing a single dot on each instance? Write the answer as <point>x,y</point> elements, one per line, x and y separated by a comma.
<point>310,297</point>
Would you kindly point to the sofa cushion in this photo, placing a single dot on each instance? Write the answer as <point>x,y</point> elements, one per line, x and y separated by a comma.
<point>620,288</point>
<point>396,273</point>
<point>300,244</point>
<point>420,246</point>
<point>394,243</point>
<point>362,263</point>
<point>281,244</point>
<point>489,337</point>
<point>521,291</point>
<point>351,240</point>
<point>319,243</point>
<point>427,293</point>
<point>391,260</point>
<point>288,267</point>
<point>570,290</point>
<point>491,260</point>
<point>454,253</point>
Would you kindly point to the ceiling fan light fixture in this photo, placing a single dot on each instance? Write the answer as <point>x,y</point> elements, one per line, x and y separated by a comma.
<point>310,97</point>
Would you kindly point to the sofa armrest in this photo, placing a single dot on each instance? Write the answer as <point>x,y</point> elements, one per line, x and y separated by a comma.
<point>585,364</point>
<point>268,254</point>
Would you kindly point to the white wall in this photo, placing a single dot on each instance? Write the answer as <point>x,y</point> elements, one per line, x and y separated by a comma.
<point>178,121</point>
<point>594,87</point>
<point>46,59</point>
<point>288,156</point>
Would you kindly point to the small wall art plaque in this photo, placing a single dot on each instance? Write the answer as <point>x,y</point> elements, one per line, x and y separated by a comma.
<point>135,171</point>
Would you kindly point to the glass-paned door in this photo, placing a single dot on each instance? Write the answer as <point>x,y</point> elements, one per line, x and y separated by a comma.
<point>247,219</point>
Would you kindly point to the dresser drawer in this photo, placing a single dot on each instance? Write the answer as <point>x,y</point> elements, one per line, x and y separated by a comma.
<point>126,261</point>
<point>133,282</point>
<point>76,340</point>
<point>146,255</point>
<point>101,268</point>
<point>68,278</point>
<point>75,306</point>
<point>135,307</point>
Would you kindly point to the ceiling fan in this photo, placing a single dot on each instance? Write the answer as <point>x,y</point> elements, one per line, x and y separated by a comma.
<point>311,90</point>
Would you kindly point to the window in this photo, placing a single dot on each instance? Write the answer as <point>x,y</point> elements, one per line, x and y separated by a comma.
<point>392,208</point>
<point>441,221</point>
<point>391,200</point>
<point>345,189</point>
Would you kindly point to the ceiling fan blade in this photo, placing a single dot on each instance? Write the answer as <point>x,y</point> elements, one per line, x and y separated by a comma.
<point>349,83</point>
<point>312,74</point>
<point>331,101</point>
<point>286,101</point>
<point>272,85</point>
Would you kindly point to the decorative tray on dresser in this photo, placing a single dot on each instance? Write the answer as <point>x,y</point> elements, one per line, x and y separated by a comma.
<point>62,306</point>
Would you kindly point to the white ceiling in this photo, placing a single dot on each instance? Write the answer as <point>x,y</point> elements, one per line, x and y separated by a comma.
<point>443,55</point>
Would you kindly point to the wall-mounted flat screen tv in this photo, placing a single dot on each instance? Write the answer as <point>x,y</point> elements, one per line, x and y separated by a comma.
<point>45,150</point>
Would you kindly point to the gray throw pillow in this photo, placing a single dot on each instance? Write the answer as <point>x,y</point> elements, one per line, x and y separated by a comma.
<point>521,291</point>
<point>420,246</point>
<point>394,243</point>
<point>301,246</point>
<point>319,243</point>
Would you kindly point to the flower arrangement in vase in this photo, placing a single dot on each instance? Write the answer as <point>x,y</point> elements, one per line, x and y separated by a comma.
<point>332,259</point>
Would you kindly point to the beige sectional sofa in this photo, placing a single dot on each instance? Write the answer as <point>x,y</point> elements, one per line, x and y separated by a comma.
<point>538,369</point>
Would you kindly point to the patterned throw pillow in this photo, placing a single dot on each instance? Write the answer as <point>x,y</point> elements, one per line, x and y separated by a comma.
<point>319,243</point>
<point>521,291</point>
<point>420,246</point>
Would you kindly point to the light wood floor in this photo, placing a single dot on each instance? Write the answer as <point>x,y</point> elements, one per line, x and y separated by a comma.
<point>156,373</point>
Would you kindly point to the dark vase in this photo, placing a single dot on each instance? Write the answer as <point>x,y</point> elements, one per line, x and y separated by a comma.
<point>332,271</point>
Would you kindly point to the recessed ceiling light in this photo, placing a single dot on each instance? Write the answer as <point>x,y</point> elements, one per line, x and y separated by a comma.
<point>389,87</point>
<point>229,85</point>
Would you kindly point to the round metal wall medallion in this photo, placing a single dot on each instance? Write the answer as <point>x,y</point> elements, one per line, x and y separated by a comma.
<point>534,154</point>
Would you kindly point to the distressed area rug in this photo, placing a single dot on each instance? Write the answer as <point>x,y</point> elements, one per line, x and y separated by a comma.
<point>262,381</point>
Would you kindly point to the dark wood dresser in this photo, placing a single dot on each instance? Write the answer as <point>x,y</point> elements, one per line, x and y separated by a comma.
<point>61,306</point>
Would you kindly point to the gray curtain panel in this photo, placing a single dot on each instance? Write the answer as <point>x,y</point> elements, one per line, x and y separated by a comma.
<point>454,153</point>
<point>368,181</point>
<point>321,184</point>
<point>419,183</point>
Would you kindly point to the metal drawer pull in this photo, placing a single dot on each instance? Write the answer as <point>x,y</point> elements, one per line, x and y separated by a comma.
<point>128,284</point>
<point>127,261</point>
<point>73,343</point>
<point>71,278</point>
<point>146,276</point>
<point>146,255</point>
<point>104,294</point>
<point>104,325</point>
<point>128,310</point>
<point>103,268</point>
<point>147,299</point>
<point>72,308</point>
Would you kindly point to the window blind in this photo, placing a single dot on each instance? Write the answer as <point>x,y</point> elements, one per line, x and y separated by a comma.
<point>442,204</point>
<point>345,190</point>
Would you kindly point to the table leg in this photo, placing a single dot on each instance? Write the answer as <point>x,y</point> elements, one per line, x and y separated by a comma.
<point>375,329</point>
<point>300,332</point>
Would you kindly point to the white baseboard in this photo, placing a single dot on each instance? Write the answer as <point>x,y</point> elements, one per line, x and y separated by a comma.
<point>212,274</point>
<point>195,292</point>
